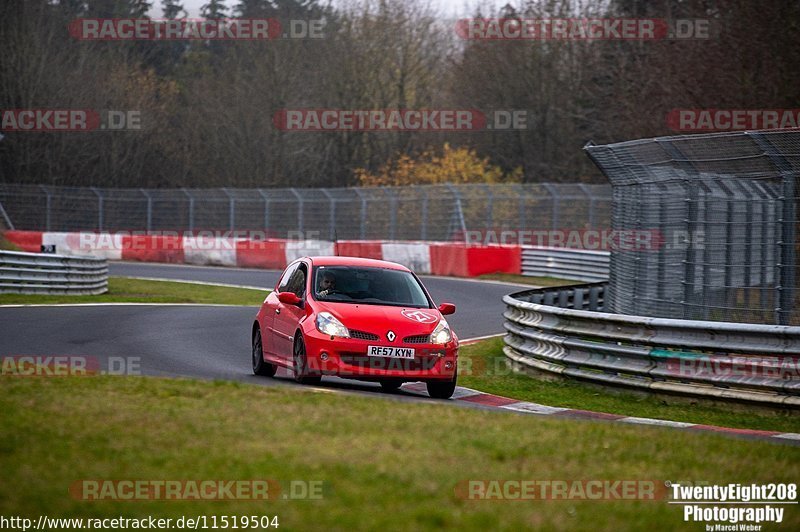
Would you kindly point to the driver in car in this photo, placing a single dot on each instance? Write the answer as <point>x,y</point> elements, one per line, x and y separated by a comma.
<point>327,284</point>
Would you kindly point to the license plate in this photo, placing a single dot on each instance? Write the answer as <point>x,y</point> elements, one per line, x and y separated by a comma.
<point>390,352</point>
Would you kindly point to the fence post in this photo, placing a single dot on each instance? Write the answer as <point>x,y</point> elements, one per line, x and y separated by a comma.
<point>332,218</point>
<point>299,210</point>
<point>99,208</point>
<point>5,217</point>
<point>191,208</point>
<point>392,212</point>
<point>589,195</point>
<point>489,207</point>
<point>787,220</point>
<point>266,209</point>
<point>363,222</point>
<point>48,204</point>
<point>556,207</point>
<point>691,194</point>
<point>231,209</point>
<point>149,209</point>
<point>458,216</point>
<point>423,231</point>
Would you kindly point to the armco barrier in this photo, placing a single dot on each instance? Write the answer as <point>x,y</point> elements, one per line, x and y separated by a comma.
<point>564,263</point>
<point>564,331</point>
<point>37,273</point>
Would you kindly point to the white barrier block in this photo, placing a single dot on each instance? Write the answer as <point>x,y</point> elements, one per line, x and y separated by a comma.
<point>101,245</point>
<point>416,257</point>
<point>209,251</point>
<point>308,248</point>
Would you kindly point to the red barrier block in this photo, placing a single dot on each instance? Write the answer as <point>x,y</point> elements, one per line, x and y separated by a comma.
<point>461,260</point>
<point>268,254</point>
<point>494,259</point>
<point>153,248</point>
<point>25,240</point>
<point>366,249</point>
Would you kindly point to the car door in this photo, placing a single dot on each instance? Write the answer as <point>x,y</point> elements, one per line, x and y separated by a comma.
<point>287,317</point>
<point>272,340</point>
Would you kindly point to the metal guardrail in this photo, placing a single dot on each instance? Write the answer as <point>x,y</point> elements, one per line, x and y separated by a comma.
<point>36,273</point>
<point>564,263</point>
<point>564,331</point>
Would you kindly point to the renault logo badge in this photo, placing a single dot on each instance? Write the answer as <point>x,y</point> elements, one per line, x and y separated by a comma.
<point>391,336</point>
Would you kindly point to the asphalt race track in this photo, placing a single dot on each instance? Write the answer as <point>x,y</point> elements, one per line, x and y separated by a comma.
<point>200,340</point>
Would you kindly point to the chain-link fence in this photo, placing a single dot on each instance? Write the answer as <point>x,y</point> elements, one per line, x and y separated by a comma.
<point>431,212</point>
<point>725,205</point>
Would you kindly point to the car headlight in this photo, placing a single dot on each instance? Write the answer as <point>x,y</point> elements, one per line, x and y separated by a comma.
<point>329,325</point>
<point>441,334</point>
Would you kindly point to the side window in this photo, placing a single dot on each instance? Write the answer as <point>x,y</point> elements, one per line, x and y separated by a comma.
<point>297,282</point>
<point>283,285</point>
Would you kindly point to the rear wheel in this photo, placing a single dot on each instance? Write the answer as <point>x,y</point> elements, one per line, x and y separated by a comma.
<point>441,389</point>
<point>301,371</point>
<point>391,385</point>
<point>260,366</point>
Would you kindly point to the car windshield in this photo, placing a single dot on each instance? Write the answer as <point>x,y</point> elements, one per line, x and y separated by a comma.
<point>373,286</point>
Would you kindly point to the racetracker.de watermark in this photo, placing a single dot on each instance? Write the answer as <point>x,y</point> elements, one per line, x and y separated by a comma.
<point>196,490</point>
<point>582,29</point>
<point>695,120</point>
<point>560,490</point>
<point>225,29</point>
<point>64,120</point>
<point>68,365</point>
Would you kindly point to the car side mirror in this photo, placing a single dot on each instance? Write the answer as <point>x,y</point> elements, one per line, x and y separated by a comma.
<point>288,298</point>
<point>447,309</point>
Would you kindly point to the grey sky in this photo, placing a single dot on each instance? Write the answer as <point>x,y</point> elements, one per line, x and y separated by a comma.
<point>448,8</point>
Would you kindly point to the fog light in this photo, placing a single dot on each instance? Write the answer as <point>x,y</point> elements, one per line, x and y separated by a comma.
<point>448,365</point>
<point>323,357</point>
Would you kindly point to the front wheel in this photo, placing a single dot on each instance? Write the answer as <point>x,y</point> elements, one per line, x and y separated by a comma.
<point>301,371</point>
<point>441,389</point>
<point>261,367</point>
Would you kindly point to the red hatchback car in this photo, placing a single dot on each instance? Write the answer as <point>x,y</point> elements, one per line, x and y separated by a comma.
<point>356,318</point>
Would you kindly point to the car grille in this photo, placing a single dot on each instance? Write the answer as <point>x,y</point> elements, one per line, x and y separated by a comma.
<point>417,339</point>
<point>361,335</point>
<point>380,363</point>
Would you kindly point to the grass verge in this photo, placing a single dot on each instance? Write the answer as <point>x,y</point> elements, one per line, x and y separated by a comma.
<point>122,290</point>
<point>489,374</point>
<point>524,279</point>
<point>383,464</point>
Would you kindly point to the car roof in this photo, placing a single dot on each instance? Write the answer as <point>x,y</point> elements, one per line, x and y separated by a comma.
<point>355,261</point>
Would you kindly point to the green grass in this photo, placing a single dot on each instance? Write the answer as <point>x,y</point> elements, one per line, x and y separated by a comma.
<point>384,465</point>
<point>122,290</point>
<point>5,245</point>
<point>488,372</point>
<point>524,279</point>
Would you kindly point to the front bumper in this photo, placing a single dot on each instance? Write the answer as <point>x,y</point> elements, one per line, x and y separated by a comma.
<point>347,357</point>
